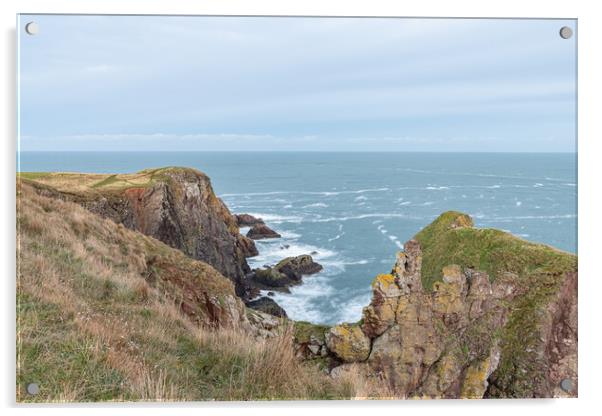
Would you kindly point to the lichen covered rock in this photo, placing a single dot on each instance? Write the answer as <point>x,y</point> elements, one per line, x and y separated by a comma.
<point>469,313</point>
<point>348,342</point>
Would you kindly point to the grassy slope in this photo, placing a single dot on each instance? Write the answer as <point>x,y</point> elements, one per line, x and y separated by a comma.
<point>489,250</point>
<point>91,328</point>
<point>91,182</point>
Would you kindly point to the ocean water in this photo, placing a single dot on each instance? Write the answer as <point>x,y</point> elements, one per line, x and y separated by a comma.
<point>355,210</point>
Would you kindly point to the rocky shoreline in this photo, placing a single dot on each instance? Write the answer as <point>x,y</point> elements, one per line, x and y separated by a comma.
<point>279,277</point>
<point>464,312</point>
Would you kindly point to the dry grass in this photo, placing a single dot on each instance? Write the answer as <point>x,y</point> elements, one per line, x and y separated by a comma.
<point>90,327</point>
<point>365,386</point>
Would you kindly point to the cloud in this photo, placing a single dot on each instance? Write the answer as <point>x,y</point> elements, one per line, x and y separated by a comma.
<point>278,82</point>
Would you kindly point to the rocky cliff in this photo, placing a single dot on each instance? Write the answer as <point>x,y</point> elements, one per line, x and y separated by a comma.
<point>174,205</point>
<point>68,255</point>
<point>467,313</point>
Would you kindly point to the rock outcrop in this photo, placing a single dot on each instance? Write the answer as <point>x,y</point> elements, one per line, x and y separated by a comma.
<point>247,220</point>
<point>261,231</point>
<point>287,272</point>
<point>468,313</point>
<point>267,305</point>
<point>247,246</point>
<point>310,341</point>
<point>174,205</point>
<point>122,259</point>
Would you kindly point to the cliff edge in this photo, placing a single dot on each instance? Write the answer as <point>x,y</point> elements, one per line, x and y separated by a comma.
<point>468,313</point>
<point>174,205</point>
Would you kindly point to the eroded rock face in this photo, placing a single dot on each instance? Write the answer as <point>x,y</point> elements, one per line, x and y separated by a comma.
<point>176,206</point>
<point>247,246</point>
<point>472,335</point>
<point>196,288</point>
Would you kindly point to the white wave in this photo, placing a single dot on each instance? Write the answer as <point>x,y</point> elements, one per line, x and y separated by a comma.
<point>336,237</point>
<point>357,262</point>
<point>316,205</point>
<point>437,188</point>
<point>359,217</point>
<point>351,311</point>
<point>538,185</point>
<point>361,198</point>
<point>288,234</point>
<point>395,240</point>
<point>569,184</point>
<point>518,203</point>
<point>493,186</point>
<point>405,203</point>
<point>534,217</point>
<point>426,204</point>
<point>275,218</point>
<point>299,303</point>
<point>287,206</point>
<point>324,193</point>
<point>271,252</point>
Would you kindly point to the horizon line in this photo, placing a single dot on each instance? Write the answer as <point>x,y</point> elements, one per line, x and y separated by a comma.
<point>292,151</point>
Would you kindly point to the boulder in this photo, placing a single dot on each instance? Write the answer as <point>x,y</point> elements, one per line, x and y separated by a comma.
<point>267,305</point>
<point>295,267</point>
<point>270,277</point>
<point>247,220</point>
<point>261,231</point>
<point>287,272</point>
<point>348,342</point>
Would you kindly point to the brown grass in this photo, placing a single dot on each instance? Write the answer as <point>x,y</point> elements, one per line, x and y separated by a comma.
<point>90,327</point>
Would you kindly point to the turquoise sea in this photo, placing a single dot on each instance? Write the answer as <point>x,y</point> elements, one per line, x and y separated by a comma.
<point>357,209</point>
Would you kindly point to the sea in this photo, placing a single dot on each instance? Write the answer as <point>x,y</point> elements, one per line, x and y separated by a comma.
<point>354,211</point>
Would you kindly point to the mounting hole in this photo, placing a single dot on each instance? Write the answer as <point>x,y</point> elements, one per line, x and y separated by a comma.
<point>33,388</point>
<point>566,385</point>
<point>32,28</point>
<point>566,32</point>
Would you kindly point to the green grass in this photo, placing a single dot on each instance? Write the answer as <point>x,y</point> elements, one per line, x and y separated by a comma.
<point>107,181</point>
<point>91,327</point>
<point>538,271</point>
<point>303,331</point>
<point>32,175</point>
<point>489,250</point>
<point>63,362</point>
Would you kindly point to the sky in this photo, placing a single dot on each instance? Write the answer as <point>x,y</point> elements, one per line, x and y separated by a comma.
<point>131,83</point>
